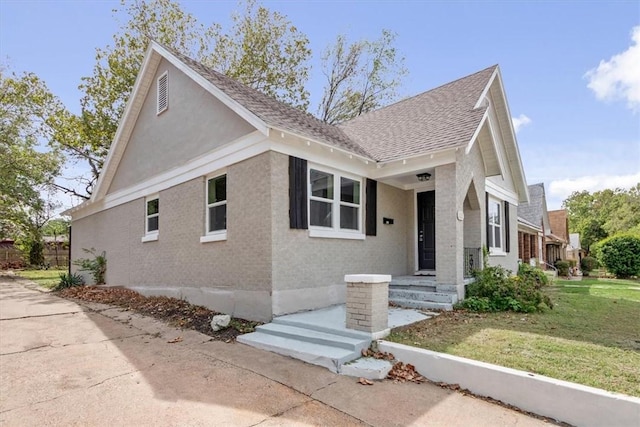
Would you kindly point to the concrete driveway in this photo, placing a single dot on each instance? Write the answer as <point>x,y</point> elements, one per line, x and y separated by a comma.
<point>62,363</point>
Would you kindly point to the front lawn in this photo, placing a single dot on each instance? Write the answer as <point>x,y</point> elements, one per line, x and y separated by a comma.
<point>45,278</point>
<point>592,336</point>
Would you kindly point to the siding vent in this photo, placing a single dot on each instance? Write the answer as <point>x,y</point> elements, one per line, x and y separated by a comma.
<point>163,92</point>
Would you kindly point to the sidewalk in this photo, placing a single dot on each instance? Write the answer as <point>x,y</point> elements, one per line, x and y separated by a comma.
<point>62,363</point>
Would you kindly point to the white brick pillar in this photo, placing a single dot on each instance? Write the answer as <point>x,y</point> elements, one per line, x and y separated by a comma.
<point>368,303</point>
<point>449,228</point>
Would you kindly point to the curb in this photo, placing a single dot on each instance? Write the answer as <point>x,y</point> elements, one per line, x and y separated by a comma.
<point>572,403</point>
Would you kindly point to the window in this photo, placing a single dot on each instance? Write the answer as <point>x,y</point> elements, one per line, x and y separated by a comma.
<point>152,219</point>
<point>321,200</point>
<point>494,222</point>
<point>216,209</point>
<point>334,205</point>
<point>163,92</point>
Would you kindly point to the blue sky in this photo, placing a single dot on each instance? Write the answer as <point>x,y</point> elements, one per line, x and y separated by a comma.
<point>571,69</point>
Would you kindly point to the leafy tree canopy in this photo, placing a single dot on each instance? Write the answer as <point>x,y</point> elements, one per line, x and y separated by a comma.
<point>361,76</point>
<point>602,214</point>
<point>261,49</point>
<point>26,166</point>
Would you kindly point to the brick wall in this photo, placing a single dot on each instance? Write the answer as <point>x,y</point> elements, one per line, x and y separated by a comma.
<point>230,276</point>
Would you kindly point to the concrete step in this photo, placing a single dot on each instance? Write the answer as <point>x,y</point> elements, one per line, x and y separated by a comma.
<point>412,281</point>
<point>289,321</point>
<point>423,296</point>
<point>447,288</point>
<point>314,337</point>
<point>330,357</point>
<point>423,288</point>
<point>422,305</point>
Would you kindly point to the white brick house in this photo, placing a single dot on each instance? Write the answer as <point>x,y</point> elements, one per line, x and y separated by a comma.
<point>221,195</point>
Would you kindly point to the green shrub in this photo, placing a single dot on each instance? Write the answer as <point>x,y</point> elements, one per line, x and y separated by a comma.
<point>533,273</point>
<point>476,304</point>
<point>496,290</point>
<point>96,266</point>
<point>69,281</point>
<point>563,268</point>
<point>572,263</point>
<point>620,255</point>
<point>588,264</point>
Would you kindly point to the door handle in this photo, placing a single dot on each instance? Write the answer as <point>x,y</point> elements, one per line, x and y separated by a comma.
<point>420,236</point>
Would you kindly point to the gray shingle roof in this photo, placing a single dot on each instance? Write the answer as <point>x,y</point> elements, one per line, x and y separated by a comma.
<point>273,112</point>
<point>440,118</point>
<point>534,210</point>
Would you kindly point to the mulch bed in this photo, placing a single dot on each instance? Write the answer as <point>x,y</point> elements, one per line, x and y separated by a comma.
<point>174,311</point>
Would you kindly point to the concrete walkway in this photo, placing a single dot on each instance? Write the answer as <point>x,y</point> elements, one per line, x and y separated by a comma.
<point>67,364</point>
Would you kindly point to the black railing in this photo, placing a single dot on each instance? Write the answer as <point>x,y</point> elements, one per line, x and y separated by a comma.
<point>472,261</point>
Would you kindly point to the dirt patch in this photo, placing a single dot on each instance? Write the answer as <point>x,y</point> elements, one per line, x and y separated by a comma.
<point>174,311</point>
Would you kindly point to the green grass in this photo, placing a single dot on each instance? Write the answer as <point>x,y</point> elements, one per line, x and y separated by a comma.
<point>45,278</point>
<point>592,336</point>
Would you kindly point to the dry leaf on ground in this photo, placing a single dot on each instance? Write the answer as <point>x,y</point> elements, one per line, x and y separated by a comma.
<point>402,373</point>
<point>364,381</point>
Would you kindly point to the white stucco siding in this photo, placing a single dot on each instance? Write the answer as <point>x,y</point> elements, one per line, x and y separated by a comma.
<point>194,124</point>
<point>505,180</point>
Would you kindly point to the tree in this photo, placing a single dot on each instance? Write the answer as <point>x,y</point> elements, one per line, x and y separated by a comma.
<point>620,255</point>
<point>361,76</point>
<point>27,165</point>
<point>55,228</point>
<point>263,50</point>
<point>603,214</point>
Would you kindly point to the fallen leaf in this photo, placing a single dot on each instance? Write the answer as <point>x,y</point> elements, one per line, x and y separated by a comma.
<point>175,340</point>
<point>364,381</point>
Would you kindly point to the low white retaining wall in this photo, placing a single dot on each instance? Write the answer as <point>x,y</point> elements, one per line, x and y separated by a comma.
<point>562,400</point>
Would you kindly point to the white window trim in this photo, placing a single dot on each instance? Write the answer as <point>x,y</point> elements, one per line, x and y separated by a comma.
<point>497,251</point>
<point>150,236</point>
<point>166,106</point>
<point>335,232</point>
<point>216,235</point>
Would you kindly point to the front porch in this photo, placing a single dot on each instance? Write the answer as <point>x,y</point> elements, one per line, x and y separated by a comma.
<point>321,337</point>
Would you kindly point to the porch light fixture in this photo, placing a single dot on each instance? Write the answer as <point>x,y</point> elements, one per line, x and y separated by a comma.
<point>422,177</point>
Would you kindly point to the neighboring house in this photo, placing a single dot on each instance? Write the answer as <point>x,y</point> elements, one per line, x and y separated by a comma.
<point>533,226</point>
<point>558,238</point>
<point>218,194</point>
<point>574,249</point>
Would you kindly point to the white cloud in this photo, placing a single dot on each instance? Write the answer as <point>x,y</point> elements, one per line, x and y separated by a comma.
<point>559,190</point>
<point>619,77</point>
<point>520,121</point>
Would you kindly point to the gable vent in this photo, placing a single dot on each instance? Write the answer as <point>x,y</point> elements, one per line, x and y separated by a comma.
<point>163,92</point>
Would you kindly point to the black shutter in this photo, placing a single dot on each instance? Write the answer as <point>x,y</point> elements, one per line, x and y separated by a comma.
<point>486,218</point>
<point>297,193</point>
<point>371,222</point>
<point>507,236</point>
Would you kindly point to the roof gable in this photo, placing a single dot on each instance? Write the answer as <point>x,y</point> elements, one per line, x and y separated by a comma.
<point>436,121</point>
<point>441,118</point>
<point>534,211</point>
<point>272,112</point>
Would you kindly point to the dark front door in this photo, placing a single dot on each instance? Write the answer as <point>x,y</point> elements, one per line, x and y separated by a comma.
<point>427,230</point>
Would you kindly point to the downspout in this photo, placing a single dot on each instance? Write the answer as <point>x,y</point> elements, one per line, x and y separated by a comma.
<point>69,259</point>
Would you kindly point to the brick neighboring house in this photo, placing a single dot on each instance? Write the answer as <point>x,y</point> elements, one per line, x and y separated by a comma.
<point>558,237</point>
<point>218,194</point>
